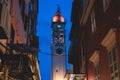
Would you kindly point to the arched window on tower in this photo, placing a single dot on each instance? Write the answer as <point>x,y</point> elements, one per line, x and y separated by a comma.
<point>61,38</point>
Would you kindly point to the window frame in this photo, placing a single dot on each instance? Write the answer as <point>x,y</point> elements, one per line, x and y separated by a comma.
<point>97,71</point>
<point>95,60</point>
<point>93,21</point>
<point>113,63</point>
<point>106,4</point>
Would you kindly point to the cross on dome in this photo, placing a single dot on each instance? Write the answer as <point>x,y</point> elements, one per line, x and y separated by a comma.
<point>58,17</point>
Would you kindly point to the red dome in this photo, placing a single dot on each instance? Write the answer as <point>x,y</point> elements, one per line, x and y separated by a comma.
<point>58,17</point>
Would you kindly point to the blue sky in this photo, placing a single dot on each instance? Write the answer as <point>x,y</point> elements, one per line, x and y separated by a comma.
<point>47,10</point>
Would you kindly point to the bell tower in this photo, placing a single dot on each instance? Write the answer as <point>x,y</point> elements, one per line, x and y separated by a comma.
<point>58,47</point>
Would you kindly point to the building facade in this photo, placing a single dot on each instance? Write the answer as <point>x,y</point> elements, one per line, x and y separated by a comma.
<point>99,40</point>
<point>18,40</point>
<point>58,47</point>
<point>74,52</point>
<point>76,46</point>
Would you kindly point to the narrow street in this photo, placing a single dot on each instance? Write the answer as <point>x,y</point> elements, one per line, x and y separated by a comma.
<point>59,40</point>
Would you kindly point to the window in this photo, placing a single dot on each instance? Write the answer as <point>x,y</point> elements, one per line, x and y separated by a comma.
<point>95,59</point>
<point>93,22</point>
<point>59,38</point>
<point>82,54</point>
<point>83,50</point>
<point>30,8</point>
<point>12,35</point>
<point>113,64</point>
<point>97,72</point>
<point>4,14</point>
<point>26,8</point>
<point>106,4</point>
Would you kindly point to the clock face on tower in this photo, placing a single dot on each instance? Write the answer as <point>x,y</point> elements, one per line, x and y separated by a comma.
<point>59,51</point>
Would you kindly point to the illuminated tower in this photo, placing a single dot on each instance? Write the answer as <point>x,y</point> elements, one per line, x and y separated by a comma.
<point>58,47</point>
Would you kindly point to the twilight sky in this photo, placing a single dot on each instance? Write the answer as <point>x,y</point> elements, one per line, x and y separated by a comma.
<point>47,10</point>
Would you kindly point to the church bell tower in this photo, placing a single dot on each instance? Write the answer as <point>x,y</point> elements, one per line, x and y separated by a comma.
<point>58,47</point>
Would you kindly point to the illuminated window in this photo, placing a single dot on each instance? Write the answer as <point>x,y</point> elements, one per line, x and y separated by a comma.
<point>113,64</point>
<point>106,4</point>
<point>95,59</point>
<point>93,21</point>
<point>61,38</point>
<point>58,26</point>
<point>97,72</point>
<point>110,43</point>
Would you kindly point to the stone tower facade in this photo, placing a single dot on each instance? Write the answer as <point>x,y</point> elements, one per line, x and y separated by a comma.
<point>58,47</point>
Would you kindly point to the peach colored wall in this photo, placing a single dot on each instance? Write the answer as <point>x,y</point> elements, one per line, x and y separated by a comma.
<point>16,14</point>
<point>104,64</point>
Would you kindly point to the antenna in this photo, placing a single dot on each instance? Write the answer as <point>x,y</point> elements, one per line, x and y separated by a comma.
<point>58,7</point>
